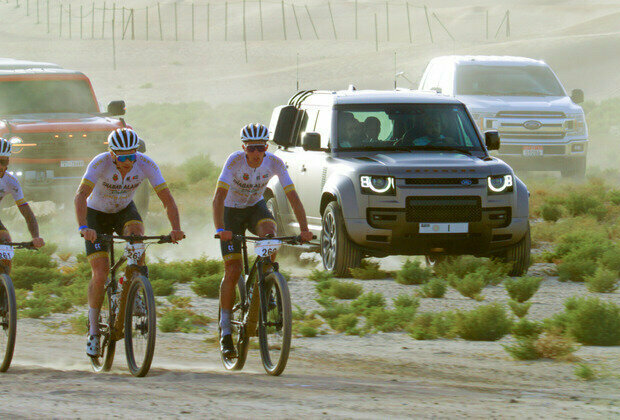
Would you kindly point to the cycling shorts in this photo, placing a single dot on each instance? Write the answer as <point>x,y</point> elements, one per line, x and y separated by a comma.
<point>108,223</point>
<point>238,220</point>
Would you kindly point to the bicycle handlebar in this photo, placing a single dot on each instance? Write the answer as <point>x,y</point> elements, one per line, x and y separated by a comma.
<point>291,240</point>
<point>161,239</point>
<point>20,245</point>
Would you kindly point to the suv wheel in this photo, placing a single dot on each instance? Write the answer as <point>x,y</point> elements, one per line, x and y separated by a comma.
<point>519,255</point>
<point>338,253</point>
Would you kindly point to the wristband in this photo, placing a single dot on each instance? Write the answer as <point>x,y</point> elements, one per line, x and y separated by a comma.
<point>83,227</point>
<point>219,230</point>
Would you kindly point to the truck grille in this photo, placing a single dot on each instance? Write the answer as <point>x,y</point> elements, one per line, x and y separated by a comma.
<point>507,149</point>
<point>512,125</point>
<point>441,181</point>
<point>444,209</point>
<point>64,146</point>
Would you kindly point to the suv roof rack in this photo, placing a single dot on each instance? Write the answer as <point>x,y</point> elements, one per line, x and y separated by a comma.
<point>299,97</point>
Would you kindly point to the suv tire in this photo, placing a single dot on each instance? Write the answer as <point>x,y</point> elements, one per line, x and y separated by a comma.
<point>338,253</point>
<point>519,255</point>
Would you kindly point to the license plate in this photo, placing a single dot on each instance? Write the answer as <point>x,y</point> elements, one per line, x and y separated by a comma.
<point>444,227</point>
<point>71,163</point>
<point>532,150</point>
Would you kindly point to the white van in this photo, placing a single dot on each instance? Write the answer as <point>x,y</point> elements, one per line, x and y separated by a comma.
<point>541,127</point>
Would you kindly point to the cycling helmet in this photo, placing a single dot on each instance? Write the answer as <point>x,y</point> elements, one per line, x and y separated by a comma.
<point>123,139</point>
<point>5,147</point>
<point>256,132</point>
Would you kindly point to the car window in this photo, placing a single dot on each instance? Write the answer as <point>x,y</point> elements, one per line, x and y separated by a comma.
<point>307,123</point>
<point>507,81</point>
<point>324,126</point>
<point>46,96</point>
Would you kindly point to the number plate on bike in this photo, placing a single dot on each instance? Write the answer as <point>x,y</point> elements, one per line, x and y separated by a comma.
<point>267,247</point>
<point>6,252</point>
<point>134,252</point>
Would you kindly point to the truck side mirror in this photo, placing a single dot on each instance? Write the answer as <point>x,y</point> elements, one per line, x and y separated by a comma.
<point>282,125</point>
<point>577,96</point>
<point>116,108</point>
<point>491,139</point>
<point>311,141</point>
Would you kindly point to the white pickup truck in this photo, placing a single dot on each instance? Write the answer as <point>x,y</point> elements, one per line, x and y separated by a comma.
<point>541,127</point>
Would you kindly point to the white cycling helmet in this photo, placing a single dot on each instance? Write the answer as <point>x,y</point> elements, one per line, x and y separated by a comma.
<point>254,132</point>
<point>5,147</point>
<point>123,139</point>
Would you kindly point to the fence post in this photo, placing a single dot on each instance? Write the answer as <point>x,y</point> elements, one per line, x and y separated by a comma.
<point>226,21</point>
<point>123,26</point>
<point>500,26</point>
<point>312,22</point>
<point>193,23</point>
<point>208,22</point>
<point>60,22</point>
<point>296,21</point>
<point>283,21</point>
<point>147,22</point>
<point>428,23</point>
<point>443,26</point>
<point>356,33</point>
<point>103,22</point>
<point>245,39</point>
<point>329,6</point>
<point>27,7</point>
<point>48,16</point>
<point>376,34</point>
<point>176,23</point>
<point>113,37</point>
<point>133,28</point>
<point>161,32</point>
<point>260,16</point>
<point>92,22</point>
<point>409,23</point>
<point>387,20</point>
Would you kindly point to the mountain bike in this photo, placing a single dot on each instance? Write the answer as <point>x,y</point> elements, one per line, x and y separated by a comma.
<point>8,305</point>
<point>128,311</point>
<point>262,307</point>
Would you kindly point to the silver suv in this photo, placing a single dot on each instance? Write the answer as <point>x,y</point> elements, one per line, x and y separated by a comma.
<point>397,173</point>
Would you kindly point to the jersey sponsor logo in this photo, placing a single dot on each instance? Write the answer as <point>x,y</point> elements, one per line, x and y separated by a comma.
<point>231,248</point>
<point>115,178</point>
<point>246,177</point>
<point>135,177</point>
<point>244,186</point>
<point>265,176</point>
<point>121,187</point>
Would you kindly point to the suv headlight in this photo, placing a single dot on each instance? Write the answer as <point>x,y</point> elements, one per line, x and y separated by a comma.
<point>499,184</point>
<point>485,120</point>
<point>575,124</point>
<point>377,185</point>
<point>15,140</point>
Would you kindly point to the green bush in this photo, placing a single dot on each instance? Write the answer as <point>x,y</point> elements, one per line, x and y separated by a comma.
<point>492,271</point>
<point>576,267</point>
<point>78,324</point>
<point>28,258</point>
<point>519,309</point>
<point>24,277</point>
<point>162,287</point>
<point>523,288</point>
<point>345,289</point>
<point>406,301</point>
<point>332,309</point>
<point>584,371</point>
<point>611,259</point>
<point>175,271</point>
<point>551,212</point>
<point>429,326</point>
<point>366,302</point>
<point>614,197</point>
<point>485,323</point>
<point>523,349</point>
<point>588,243</point>
<point>434,288</point>
<point>203,267</point>
<point>344,323</point>
<point>369,270</point>
<point>200,167</point>
<point>604,280</point>
<point>180,301</point>
<point>583,202</point>
<point>320,275</point>
<point>554,346</point>
<point>413,273</point>
<point>324,287</point>
<point>37,307</point>
<point>469,286</point>
<point>181,320</point>
<point>307,330</point>
<point>592,321</point>
<point>383,320</point>
<point>525,328</point>
<point>208,286</point>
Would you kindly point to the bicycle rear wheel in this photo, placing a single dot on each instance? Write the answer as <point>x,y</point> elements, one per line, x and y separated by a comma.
<point>274,333</point>
<point>104,362</point>
<point>238,331</point>
<point>140,326</point>
<point>8,322</point>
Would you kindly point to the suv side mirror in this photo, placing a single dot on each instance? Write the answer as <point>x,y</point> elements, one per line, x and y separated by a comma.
<point>116,108</point>
<point>491,139</point>
<point>282,125</point>
<point>577,96</point>
<point>311,141</point>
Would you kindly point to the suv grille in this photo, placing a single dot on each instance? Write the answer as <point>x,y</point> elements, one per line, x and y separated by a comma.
<point>444,209</point>
<point>441,181</point>
<point>63,146</point>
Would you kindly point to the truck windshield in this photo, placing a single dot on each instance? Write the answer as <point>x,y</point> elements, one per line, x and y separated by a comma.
<point>406,127</point>
<point>507,81</point>
<point>46,96</point>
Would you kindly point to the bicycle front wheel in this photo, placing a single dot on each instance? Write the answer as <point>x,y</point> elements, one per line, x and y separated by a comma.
<point>104,362</point>
<point>140,326</point>
<point>274,332</point>
<point>8,322</point>
<point>238,331</point>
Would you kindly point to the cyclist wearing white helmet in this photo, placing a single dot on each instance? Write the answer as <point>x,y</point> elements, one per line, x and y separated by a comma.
<point>238,205</point>
<point>104,204</point>
<point>10,185</point>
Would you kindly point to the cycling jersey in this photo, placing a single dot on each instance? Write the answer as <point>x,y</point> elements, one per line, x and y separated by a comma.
<point>10,185</point>
<point>111,193</point>
<point>246,185</point>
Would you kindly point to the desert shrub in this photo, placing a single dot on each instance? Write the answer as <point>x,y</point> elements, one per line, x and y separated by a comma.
<point>49,249</point>
<point>366,302</point>
<point>584,371</point>
<point>614,197</point>
<point>592,321</point>
<point>485,323</point>
<point>24,277</point>
<point>208,286</point>
<point>200,167</point>
<point>550,212</point>
<point>469,286</point>
<point>590,243</point>
<point>345,289</point>
<point>519,309</point>
<point>523,349</point>
<point>162,287</point>
<point>429,325</point>
<point>180,301</point>
<point>434,288</point>
<point>320,275</point>
<point>583,202</point>
<point>344,323</point>
<point>554,346</point>
<point>369,270</point>
<point>25,257</point>
<point>332,308</point>
<point>78,324</point>
<point>323,288</point>
<point>36,307</point>
<point>384,320</point>
<point>576,267</point>
<point>525,328</point>
<point>203,266</point>
<point>611,259</point>
<point>406,301</point>
<point>413,273</point>
<point>180,320</point>
<point>604,280</point>
<point>523,288</point>
<point>175,271</point>
<point>20,297</point>
<point>306,330</point>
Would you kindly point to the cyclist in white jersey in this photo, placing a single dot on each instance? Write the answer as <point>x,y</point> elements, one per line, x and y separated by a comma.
<point>10,185</point>
<point>104,204</point>
<point>238,205</point>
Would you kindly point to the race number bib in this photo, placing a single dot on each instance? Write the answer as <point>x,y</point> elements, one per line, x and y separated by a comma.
<point>267,247</point>
<point>6,252</point>
<point>134,253</point>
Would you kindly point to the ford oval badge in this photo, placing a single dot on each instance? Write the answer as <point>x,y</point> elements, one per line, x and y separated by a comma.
<point>466,181</point>
<point>532,125</point>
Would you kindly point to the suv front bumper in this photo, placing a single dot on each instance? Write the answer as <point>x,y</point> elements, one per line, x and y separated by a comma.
<point>554,157</point>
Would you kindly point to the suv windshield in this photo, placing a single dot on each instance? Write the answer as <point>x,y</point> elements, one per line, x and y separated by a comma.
<point>406,127</point>
<point>507,81</point>
<point>46,96</point>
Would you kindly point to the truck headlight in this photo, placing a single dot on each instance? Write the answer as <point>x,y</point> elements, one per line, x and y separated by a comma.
<point>499,184</point>
<point>485,120</point>
<point>377,185</point>
<point>575,124</point>
<point>15,140</point>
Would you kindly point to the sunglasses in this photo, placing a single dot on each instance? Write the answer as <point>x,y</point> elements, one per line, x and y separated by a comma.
<point>4,161</point>
<point>123,158</point>
<point>255,148</point>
